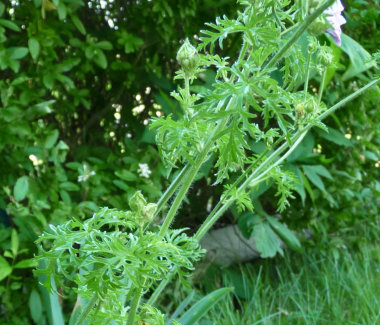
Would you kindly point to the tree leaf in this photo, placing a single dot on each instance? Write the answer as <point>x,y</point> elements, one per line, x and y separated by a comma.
<point>69,186</point>
<point>37,3</point>
<point>9,24</point>
<point>2,8</point>
<point>126,175</point>
<point>370,155</point>
<point>21,188</point>
<point>62,11</point>
<point>100,59</point>
<point>5,268</point>
<point>321,170</point>
<point>78,24</point>
<point>34,47</point>
<point>120,184</point>
<point>104,45</point>
<point>334,136</point>
<point>313,177</point>
<point>14,242</point>
<point>25,264</point>
<point>51,139</point>
<point>17,53</point>
<point>285,234</point>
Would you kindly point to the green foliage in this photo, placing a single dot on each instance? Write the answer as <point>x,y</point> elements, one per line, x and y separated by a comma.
<point>289,290</point>
<point>110,253</point>
<point>245,110</point>
<point>71,74</point>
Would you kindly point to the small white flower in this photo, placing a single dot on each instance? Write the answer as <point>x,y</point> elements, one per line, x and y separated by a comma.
<point>144,170</point>
<point>87,173</point>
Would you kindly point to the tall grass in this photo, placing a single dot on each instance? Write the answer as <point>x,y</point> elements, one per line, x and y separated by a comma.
<point>302,289</point>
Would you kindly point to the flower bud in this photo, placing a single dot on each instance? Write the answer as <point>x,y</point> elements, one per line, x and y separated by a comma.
<point>188,57</point>
<point>149,211</point>
<point>137,202</point>
<point>318,26</point>
<point>300,110</point>
<point>326,58</point>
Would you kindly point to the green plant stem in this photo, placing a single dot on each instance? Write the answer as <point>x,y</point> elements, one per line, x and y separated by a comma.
<point>152,299</point>
<point>243,176</point>
<point>272,62</point>
<point>135,304</point>
<point>347,99</point>
<point>172,188</point>
<point>322,86</point>
<point>190,176</point>
<point>307,74</point>
<point>187,90</point>
<point>251,181</point>
<point>213,217</point>
<point>242,52</point>
<point>87,310</point>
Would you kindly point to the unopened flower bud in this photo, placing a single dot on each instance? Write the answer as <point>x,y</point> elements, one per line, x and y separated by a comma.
<point>188,57</point>
<point>318,26</point>
<point>326,58</point>
<point>137,202</point>
<point>300,110</point>
<point>149,211</point>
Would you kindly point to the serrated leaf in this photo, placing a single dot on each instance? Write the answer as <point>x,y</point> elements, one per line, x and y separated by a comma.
<point>21,188</point>
<point>9,24</point>
<point>5,268</point>
<point>334,136</point>
<point>34,47</point>
<point>313,177</point>
<point>320,170</point>
<point>285,234</point>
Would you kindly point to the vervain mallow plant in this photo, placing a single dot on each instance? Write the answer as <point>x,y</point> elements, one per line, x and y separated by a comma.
<point>118,262</point>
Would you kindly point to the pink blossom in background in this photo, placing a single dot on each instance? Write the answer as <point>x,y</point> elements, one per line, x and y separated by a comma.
<point>335,18</point>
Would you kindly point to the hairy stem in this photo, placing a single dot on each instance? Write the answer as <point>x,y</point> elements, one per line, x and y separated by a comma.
<point>172,188</point>
<point>87,309</point>
<point>188,180</point>
<point>254,179</point>
<point>306,85</point>
<point>322,85</point>
<point>135,304</point>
